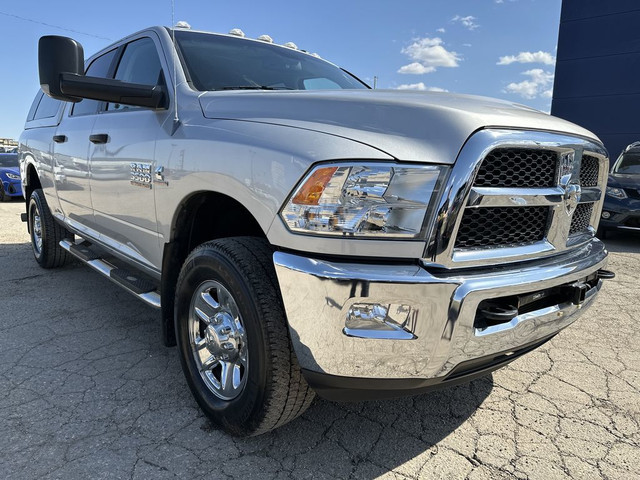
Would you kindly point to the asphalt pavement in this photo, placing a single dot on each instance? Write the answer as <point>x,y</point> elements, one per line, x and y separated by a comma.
<point>88,391</point>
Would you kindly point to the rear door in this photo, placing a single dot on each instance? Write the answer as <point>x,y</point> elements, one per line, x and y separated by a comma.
<point>71,171</point>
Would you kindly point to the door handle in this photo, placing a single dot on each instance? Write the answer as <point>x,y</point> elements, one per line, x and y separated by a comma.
<point>59,138</point>
<point>99,138</point>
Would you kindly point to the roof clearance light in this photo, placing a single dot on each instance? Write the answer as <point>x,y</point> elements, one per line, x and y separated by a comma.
<point>291,45</point>
<point>265,38</point>
<point>315,55</point>
<point>183,24</point>
<point>237,32</point>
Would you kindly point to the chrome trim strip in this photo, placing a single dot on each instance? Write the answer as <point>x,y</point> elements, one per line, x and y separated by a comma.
<point>459,194</point>
<point>103,267</point>
<point>514,197</point>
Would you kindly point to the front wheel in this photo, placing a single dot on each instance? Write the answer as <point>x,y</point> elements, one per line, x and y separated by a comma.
<point>233,338</point>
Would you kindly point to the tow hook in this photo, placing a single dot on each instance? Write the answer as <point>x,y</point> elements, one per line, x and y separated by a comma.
<point>606,274</point>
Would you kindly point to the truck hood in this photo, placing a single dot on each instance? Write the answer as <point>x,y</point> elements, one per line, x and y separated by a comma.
<point>412,126</point>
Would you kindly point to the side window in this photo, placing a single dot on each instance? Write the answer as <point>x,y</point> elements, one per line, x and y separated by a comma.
<point>47,108</point>
<point>98,68</point>
<point>139,64</point>
<point>34,106</point>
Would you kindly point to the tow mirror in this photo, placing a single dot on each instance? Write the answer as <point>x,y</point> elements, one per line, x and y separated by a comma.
<point>58,55</point>
<point>61,65</point>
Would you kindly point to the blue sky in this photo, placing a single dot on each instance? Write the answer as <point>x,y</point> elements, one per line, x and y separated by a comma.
<point>497,48</point>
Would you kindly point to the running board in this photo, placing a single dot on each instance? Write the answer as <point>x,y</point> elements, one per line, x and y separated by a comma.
<point>136,286</point>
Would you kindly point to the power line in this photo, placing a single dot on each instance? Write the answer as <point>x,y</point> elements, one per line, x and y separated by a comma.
<point>53,26</point>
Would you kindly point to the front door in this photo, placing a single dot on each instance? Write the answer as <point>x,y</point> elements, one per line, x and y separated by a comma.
<point>122,162</point>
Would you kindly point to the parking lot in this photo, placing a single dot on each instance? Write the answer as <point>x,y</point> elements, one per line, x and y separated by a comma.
<point>88,391</point>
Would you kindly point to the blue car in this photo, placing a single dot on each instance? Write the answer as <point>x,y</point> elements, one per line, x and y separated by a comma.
<point>10,185</point>
<point>621,209</point>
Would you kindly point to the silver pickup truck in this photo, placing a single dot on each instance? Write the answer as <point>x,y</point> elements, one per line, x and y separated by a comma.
<point>301,232</point>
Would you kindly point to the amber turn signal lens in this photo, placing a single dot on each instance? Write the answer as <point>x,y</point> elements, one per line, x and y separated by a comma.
<point>311,191</point>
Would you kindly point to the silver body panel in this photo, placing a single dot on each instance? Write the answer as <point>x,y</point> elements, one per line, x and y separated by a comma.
<point>255,147</point>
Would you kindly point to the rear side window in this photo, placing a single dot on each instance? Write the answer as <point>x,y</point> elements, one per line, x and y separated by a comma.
<point>139,64</point>
<point>100,67</point>
<point>47,108</point>
<point>34,106</point>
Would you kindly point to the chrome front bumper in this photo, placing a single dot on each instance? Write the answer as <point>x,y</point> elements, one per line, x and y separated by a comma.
<point>318,295</point>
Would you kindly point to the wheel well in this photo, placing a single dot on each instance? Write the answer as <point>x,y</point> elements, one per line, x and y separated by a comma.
<point>204,216</point>
<point>33,181</point>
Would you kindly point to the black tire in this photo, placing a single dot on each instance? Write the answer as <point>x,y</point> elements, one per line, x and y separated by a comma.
<point>3,195</point>
<point>48,253</point>
<point>275,391</point>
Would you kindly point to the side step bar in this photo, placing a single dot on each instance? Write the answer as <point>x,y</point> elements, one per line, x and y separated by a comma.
<point>138,287</point>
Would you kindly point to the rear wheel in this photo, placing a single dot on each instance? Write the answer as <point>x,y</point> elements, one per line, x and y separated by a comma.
<point>233,338</point>
<point>46,233</point>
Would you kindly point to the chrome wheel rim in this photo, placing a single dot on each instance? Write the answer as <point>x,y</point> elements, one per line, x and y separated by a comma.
<point>36,230</point>
<point>218,340</point>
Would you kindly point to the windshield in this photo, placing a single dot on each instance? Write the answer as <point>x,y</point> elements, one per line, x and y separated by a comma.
<point>217,62</point>
<point>629,164</point>
<point>8,159</point>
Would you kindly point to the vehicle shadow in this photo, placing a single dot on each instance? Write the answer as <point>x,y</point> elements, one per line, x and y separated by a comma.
<point>104,346</point>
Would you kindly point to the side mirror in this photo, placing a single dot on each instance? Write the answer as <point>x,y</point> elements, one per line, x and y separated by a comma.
<point>57,55</point>
<point>61,65</point>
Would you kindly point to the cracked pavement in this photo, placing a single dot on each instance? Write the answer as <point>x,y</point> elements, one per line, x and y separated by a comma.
<point>88,391</point>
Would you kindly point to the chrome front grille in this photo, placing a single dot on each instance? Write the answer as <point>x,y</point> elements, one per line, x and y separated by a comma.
<point>493,226</point>
<point>518,195</point>
<point>581,219</point>
<point>589,171</point>
<point>518,167</point>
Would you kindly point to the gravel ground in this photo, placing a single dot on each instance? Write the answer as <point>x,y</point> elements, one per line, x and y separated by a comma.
<point>88,391</point>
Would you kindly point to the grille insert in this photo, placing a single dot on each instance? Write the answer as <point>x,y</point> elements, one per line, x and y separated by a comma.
<point>518,167</point>
<point>502,226</point>
<point>581,218</point>
<point>589,171</point>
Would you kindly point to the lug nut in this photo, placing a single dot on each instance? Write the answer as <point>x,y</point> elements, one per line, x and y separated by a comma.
<point>227,346</point>
<point>225,330</point>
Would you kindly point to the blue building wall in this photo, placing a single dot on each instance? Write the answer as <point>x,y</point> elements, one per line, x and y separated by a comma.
<point>597,81</point>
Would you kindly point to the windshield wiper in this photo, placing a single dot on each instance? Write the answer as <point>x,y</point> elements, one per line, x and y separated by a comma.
<point>254,87</point>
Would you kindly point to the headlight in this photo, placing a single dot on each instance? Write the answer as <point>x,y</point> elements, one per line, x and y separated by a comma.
<point>364,200</point>
<point>616,192</point>
<point>13,176</point>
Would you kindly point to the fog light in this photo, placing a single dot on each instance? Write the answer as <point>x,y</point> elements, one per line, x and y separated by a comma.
<point>374,320</point>
<point>606,215</point>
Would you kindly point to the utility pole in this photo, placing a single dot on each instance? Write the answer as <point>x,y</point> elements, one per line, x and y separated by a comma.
<point>375,81</point>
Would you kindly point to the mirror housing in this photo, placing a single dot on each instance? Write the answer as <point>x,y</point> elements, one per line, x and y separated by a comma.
<point>61,66</point>
<point>57,55</point>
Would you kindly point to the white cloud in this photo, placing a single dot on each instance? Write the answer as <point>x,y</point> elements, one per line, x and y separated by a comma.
<point>528,57</point>
<point>538,85</point>
<point>416,68</point>
<point>469,22</point>
<point>466,44</point>
<point>427,55</point>
<point>441,30</point>
<point>420,86</point>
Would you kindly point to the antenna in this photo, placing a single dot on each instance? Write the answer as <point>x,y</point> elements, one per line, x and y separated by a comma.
<point>176,120</point>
